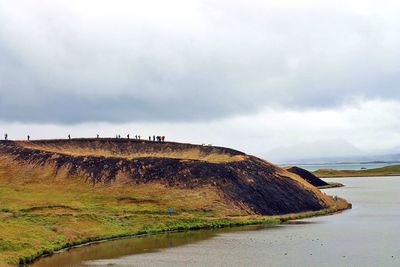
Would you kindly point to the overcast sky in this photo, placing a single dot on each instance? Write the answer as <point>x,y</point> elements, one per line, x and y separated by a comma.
<point>279,79</point>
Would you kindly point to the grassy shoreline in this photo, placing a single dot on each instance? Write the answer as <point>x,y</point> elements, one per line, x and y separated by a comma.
<point>186,226</point>
<point>331,185</point>
<point>392,170</point>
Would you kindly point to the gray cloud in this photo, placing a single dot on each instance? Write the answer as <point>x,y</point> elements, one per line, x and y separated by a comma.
<point>101,61</point>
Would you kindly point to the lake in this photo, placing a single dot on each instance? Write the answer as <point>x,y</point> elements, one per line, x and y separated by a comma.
<point>367,235</point>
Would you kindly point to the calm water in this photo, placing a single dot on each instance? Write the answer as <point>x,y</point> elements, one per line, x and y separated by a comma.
<point>344,166</point>
<point>367,235</point>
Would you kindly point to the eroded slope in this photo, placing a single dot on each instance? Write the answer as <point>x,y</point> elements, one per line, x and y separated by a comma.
<point>247,182</point>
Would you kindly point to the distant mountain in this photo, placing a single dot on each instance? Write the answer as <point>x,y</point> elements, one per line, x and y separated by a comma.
<point>330,151</point>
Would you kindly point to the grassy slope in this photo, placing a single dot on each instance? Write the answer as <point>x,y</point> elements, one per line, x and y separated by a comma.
<point>384,171</point>
<point>88,149</point>
<point>37,219</point>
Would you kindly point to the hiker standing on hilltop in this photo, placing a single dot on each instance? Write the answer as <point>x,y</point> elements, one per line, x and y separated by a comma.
<point>97,136</point>
<point>28,137</point>
<point>154,138</point>
<point>5,136</point>
<point>69,137</point>
<point>128,136</point>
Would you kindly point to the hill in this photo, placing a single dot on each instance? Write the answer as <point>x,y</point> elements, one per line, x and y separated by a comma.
<point>250,183</point>
<point>64,192</point>
<point>311,178</point>
<point>306,175</point>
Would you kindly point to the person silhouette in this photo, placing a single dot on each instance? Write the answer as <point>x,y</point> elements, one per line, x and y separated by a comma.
<point>28,137</point>
<point>128,136</point>
<point>5,136</point>
<point>69,137</point>
<point>98,136</point>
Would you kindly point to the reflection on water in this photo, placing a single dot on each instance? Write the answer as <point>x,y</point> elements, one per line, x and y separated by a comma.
<point>129,246</point>
<point>367,235</point>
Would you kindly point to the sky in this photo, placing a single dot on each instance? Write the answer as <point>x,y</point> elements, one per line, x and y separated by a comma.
<point>281,80</point>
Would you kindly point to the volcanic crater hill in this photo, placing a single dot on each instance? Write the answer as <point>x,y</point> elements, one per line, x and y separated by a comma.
<point>306,175</point>
<point>245,182</point>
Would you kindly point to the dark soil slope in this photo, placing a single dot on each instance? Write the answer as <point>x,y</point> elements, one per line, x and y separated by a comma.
<point>247,182</point>
<point>308,176</point>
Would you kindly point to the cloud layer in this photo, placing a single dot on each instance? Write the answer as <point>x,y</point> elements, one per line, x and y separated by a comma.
<point>371,128</point>
<point>129,61</point>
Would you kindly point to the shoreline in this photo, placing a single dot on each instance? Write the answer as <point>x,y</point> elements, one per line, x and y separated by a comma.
<point>341,206</point>
<point>392,170</point>
<point>331,185</point>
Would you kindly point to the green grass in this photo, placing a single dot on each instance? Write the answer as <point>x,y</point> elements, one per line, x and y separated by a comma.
<point>42,218</point>
<point>392,170</point>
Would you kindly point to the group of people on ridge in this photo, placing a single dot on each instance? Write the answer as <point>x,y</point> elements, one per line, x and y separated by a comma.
<point>118,136</point>
<point>157,138</point>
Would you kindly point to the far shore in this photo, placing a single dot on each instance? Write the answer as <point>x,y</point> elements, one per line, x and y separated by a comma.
<point>392,170</point>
